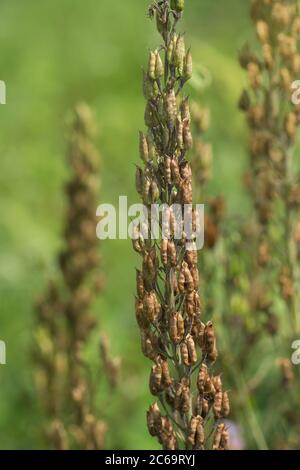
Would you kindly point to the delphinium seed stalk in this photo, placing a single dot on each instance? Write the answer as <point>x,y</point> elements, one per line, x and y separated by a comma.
<point>274,183</point>
<point>273,122</point>
<point>65,321</point>
<point>189,399</point>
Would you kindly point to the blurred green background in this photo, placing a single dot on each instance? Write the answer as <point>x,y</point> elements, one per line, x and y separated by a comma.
<point>53,54</point>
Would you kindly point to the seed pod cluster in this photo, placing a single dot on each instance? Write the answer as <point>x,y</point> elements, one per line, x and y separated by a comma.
<point>168,307</point>
<point>64,318</point>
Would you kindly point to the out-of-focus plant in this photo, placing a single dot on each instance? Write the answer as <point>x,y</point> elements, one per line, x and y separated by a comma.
<point>168,307</point>
<point>65,322</point>
<point>261,254</point>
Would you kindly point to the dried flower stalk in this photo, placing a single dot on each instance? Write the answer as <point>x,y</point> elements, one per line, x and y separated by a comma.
<point>273,122</point>
<point>168,306</point>
<point>65,321</point>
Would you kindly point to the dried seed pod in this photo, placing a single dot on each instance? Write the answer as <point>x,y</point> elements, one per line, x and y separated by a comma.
<point>225,405</point>
<point>187,136</point>
<point>166,377</point>
<point>217,382</point>
<point>167,169</point>
<point>164,251</point>
<point>217,406</point>
<point>154,420</point>
<point>170,106</point>
<point>144,149</point>
<point>185,110</point>
<point>185,354</point>
<point>159,68</point>
<point>202,377</point>
<point>152,65</point>
<point>200,435</point>
<point>172,255</point>
<point>155,382</point>
<point>140,284</point>
<point>179,54</point>
<point>191,349</point>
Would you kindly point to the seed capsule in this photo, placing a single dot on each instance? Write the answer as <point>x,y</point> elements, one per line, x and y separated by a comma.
<point>167,169</point>
<point>187,136</point>
<point>140,284</point>
<point>225,405</point>
<point>200,436</point>
<point>170,106</point>
<point>154,419</point>
<point>159,68</point>
<point>218,436</point>
<point>179,133</point>
<point>155,192</point>
<point>171,48</point>
<point>185,110</point>
<point>175,174</point>
<point>191,349</point>
<point>179,54</point>
<point>202,376</point>
<point>152,65</point>
<point>188,66</point>
<point>185,354</point>
<point>172,255</point>
<point>144,149</point>
<point>217,406</point>
<point>163,252</point>
<point>166,377</point>
<point>155,379</point>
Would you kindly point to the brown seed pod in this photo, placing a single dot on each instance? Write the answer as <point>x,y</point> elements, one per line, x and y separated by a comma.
<point>202,377</point>
<point>217,406</point>
<point>155,382</point>
<point>166,377</point>
<point>164,251</point>
<point>172,255</point>
<point>154,420</point>
<point>225,405</point>
<point>191,349</point>
<point>185,354</point>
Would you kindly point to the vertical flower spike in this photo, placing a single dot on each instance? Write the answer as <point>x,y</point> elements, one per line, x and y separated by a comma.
<point>168,308</point>
<point>273,122</point>
<point>64,318</point>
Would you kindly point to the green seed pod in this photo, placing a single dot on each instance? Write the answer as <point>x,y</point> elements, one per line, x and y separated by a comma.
<point>151,65</point>
<point>144,149</point>
<point>139,180</point>
<point>177,5</point>
<point>188,66</point>
<point>179,54</point>
<point>159,68</point>
<point>147,86</point>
